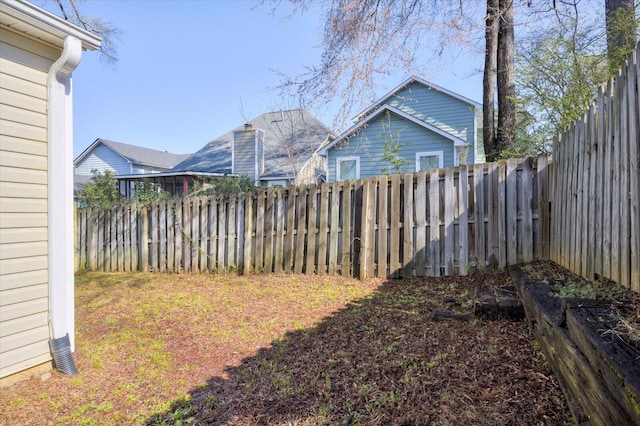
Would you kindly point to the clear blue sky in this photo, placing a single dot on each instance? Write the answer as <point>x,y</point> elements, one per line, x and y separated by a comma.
<point>189,71</point>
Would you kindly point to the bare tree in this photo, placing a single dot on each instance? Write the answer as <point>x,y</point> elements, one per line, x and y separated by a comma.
<point>109,33</point>
<point>366,39</point>
<point>293,135</point>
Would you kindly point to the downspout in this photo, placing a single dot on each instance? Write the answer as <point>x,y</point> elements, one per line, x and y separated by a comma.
<point>60,205</point>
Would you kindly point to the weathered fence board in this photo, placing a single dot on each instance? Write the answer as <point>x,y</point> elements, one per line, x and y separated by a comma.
<point>463,220</point>
<point>334,228</point>
<point>421,224</point>
<point>432,223</point>
<point>596,182</point>
<point>312,232</point>
<point>347,238</point>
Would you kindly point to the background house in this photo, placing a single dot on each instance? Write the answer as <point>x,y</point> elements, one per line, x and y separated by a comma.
<point>121,159</point>
<point>275,148</point>
<point>38,52</point>
<point>416,126</point>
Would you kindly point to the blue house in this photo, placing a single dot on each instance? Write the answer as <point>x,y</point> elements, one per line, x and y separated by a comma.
<point>416,126</point>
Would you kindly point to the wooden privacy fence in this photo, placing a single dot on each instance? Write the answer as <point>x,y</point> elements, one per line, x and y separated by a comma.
<point>596,230</point>
<point>439,222</point>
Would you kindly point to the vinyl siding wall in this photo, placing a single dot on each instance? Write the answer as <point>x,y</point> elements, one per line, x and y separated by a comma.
<point>245,155</point>
<point>104,158</point>
<point>311,171</point>
<point>24,331</point>
<point>438,109</point>
<point>369,146</point>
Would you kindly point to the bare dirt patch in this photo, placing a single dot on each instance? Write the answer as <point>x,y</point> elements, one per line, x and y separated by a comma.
<point>178,349</point>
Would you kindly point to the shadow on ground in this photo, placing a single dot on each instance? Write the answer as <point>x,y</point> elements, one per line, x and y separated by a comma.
<point>385,360</point>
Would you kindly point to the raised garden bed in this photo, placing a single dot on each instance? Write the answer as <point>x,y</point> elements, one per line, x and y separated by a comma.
<point>596,361</point>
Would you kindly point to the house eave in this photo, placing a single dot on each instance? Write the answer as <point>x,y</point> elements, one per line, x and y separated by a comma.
<point>171,174</point>
<point>406,83</point>
<point>94,145</point>
<point>349,133</point>
<point>25,18</point>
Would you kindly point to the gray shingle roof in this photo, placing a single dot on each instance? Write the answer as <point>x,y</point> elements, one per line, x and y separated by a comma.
<point>291,137</point>
<point>146,156</point>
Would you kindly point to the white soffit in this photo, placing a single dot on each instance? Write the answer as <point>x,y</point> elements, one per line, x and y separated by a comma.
<point>24,18</point>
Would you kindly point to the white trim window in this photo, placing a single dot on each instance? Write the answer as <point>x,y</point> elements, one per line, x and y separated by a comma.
<point>347,168</point>
<point>429,160</point>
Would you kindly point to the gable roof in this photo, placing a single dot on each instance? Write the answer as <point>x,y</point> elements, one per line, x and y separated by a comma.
<point>296,129</point>
<point>137,154</point>
<point>384,108</point>
<point>414,79</point>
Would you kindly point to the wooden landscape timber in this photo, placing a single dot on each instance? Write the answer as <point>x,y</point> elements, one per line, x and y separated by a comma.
<point>600,380</point>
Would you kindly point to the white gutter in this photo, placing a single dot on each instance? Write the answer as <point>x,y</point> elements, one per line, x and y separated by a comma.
<point>22,16</point>
<point>60,190</point>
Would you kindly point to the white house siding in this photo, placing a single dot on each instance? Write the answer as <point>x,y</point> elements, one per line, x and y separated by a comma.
<point>24,331</point>
<point>369,146</point>
<point>104,158</point>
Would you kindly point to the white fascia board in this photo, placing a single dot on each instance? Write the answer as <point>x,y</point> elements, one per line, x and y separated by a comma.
<point>40,24</point>
<point>422,81</point>
<point>456,141</point>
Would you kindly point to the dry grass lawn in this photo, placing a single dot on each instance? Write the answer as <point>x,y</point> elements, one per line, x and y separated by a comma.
<point>280,350</point>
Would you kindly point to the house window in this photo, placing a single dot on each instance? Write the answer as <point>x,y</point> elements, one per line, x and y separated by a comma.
<point>429,160</point>
<point>347,168</point>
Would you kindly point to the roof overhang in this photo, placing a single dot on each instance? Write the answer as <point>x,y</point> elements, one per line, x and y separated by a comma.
<point>384,108</point>
<point>406,83</point>
<point>171,174</point>
<point>27,19</point>
<point>94,145</point>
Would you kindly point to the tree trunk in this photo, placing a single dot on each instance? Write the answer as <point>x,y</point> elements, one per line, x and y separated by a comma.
<point>622,27</point>
<point>506,78</point>
<point>489,79</point>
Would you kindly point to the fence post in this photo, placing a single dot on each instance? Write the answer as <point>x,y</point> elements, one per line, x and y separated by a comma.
<point>144,239</point>
<point>526,207</point>
<point>366,234</point>
<point>633,81</point>
<point>383,225</point>
<point>347,241</point>
<point>394,228</point>
<point>463,220</point>
<point>434,222</point>
<point>92,239</point>
<point>248,234</point>
<point>301,234</point>
<point>449,244</point>
<point>542,228</point>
